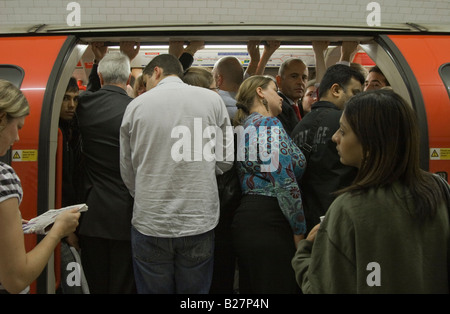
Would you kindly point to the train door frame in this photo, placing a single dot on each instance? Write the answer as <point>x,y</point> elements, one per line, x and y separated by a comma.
<point>64,65</point>
<point>398,72</point>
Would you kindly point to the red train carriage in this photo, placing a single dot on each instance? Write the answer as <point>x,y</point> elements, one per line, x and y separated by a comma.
<point>415,61</point>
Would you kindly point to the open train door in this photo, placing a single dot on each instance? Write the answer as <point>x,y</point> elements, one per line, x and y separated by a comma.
<point>418,68</point>
<point>41,66</point>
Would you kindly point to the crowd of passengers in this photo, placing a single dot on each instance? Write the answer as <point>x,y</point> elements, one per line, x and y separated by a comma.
<point>334,189</point>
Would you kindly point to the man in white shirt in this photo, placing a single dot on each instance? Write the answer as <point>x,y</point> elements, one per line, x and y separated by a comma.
<point>169,158</point>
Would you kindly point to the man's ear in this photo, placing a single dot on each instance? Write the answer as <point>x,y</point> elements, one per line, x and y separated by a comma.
<point>102,82</point>
<point>219,80</point>
<point>159,72</point>
<point>335,90</point>
<point>278,78</point>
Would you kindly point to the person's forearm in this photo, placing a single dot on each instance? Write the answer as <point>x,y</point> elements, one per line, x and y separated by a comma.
<point>23,274</point>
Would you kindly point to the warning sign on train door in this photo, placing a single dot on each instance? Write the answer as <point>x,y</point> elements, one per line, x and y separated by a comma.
<point>439,153</point>
<point>24,155</point>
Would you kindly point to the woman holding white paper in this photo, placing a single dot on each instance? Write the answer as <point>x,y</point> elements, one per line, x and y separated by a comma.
<point>18,269</point>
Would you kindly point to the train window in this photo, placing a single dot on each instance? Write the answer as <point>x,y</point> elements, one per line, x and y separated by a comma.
<point>12,73</point>
<point>444,71</point>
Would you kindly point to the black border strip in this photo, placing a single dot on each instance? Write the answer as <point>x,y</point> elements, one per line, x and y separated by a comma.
<point>414,92</point>
<point>44,143</point>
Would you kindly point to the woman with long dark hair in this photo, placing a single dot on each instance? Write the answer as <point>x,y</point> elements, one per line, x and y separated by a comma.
<point>389,231</point>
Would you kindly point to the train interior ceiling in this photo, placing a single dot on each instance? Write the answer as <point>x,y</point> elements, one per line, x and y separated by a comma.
<point>217,46</point>
<point>211,53</point>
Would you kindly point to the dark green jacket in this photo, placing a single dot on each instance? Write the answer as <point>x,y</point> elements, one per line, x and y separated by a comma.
<point>411,256</point>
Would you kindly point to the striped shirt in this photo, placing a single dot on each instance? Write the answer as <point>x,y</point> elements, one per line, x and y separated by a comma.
<point>10,185</point>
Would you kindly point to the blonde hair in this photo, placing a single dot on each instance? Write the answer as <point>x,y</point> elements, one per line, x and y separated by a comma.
<point>138,86</point>
<point>246,96</point>
<point>12,101</point>
<point>198,76</point>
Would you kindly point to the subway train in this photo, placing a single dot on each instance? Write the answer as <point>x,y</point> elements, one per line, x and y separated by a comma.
<point>40,60</point>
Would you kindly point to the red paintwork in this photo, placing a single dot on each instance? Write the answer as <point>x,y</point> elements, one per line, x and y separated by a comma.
<point>425,54</point>
<point>36,55</point>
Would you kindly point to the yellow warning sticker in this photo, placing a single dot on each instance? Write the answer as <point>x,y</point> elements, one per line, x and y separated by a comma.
<point>25,155</point>
<point>439,153</point>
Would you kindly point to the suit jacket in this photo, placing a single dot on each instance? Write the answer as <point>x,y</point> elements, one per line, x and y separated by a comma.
<point>110,203</point>
<point>287,117</point>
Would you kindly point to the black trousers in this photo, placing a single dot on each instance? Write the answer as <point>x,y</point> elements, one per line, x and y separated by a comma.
<point>224,259</point>
<point>107,265</point>
<point>263,242</point>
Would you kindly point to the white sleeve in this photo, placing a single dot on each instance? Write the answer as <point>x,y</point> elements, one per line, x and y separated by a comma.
<point>224,154</point>
<point>126,166</point>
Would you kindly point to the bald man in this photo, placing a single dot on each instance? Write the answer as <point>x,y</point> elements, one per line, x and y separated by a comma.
<point>228,73</point>
<point>291,79</point>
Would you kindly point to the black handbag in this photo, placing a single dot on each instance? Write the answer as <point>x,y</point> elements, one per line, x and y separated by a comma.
<point>229,186</point>
<point>230,192</point>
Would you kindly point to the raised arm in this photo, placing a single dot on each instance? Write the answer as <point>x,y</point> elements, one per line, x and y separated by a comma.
<point>319,48</point>
<point>348,51</point>
<point>253,52</point>
<point>99,49</point>
<point>130,48</point>
<point>269,48</point>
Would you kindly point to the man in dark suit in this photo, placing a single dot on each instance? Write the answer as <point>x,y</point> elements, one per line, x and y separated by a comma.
<point>291,79</point>
<point>104,229</point>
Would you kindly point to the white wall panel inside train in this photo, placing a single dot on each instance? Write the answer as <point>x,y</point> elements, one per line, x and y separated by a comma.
<point>31,12</point>
<point>208,56</point>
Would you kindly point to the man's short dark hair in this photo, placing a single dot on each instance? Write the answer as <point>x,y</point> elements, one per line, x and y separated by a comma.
<point>376,69</point>
<point>72,86</point>
<point>338,74</point>
<point>170,65</point>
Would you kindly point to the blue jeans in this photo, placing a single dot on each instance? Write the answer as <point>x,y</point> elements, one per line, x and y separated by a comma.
<point>173,265</point>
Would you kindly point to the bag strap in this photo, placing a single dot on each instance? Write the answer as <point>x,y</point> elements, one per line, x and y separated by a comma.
<point>307,146</point>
